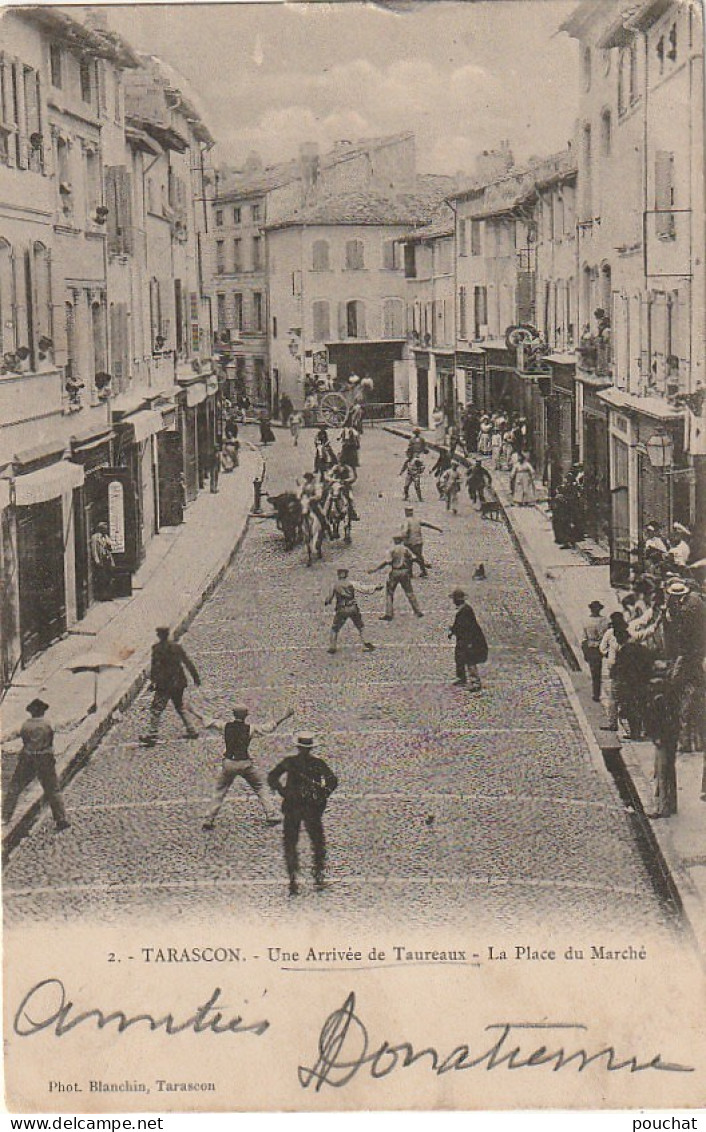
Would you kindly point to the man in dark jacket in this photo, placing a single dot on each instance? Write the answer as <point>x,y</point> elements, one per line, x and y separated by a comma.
<point>36,760</point>
<point>471,647</point>
<point>307,788</point>
<point>169,682</point>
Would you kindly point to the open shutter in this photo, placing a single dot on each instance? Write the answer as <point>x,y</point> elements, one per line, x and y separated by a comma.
<point>664,189</point>
<point>111,203</point>
<point>22,143</point>
<point>342,321</point>
<point>124,208</point>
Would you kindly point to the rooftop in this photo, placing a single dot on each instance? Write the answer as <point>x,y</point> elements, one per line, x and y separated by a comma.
<point>63,25</point>
<point>372,208</point>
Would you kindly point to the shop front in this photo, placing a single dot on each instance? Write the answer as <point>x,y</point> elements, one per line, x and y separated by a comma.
<point>650,477</point>
<point>93,450</point>
<point>562,447</point>
<point>446,398</point>
<point>593,440</point>
<point>136,449</point>
<point>421,401</point>
<point>470,365</point>
<point>42,497</point>
<point>500,368</point>
<point>193,427</point>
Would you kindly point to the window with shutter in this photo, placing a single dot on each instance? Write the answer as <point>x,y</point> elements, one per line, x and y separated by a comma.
<point>462,313</point>
<point>476,237</point>
<point>355,319</point>
<point>238,311</point>
<point>321,320</point>
<point>8,126</point>
<point>664,195</point>
<point>390,255</point>
<point>320,256</point>
<point>8,338</point>
<point>355,256</point>
<point>72,371</point>
<point>43,313</point>
<point>55,65</point>
<point>393,318</point>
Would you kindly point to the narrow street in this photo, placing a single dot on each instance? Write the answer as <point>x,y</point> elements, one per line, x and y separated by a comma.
<point>452,808</point>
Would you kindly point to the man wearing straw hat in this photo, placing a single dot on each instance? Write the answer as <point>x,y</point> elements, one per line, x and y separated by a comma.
<point>36,760</point>
<point>308,785</point>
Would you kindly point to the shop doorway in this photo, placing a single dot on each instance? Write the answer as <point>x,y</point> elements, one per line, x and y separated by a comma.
<point>40,549</point>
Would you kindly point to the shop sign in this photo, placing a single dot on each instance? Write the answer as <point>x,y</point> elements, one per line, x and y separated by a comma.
<point>116,516</point>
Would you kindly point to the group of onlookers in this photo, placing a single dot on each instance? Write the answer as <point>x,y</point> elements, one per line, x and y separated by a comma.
<point>647,665</point>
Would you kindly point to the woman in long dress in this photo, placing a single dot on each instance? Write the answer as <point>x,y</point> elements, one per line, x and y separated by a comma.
<point>522,482</point>
<point>484,442</point>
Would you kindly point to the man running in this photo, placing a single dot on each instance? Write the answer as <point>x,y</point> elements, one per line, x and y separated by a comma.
<point>413,538</point>
<point>449,486</point>
<point>414,467</point>
<point>169,682</point>
<point>400,562</point>
<point>347,608</point>
<point>237,761</point>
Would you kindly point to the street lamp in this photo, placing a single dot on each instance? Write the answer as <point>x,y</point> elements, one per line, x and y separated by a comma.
<point>660,450</point>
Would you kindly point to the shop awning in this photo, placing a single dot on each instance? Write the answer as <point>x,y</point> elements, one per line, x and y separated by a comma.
<point>39,452</point>
<point>47,483</point>
<point>4,494</point>
<point>196,393</point>
<point>91,437</point>
<point>144,424</point>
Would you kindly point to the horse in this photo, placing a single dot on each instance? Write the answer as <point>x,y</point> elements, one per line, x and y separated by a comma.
<point>313,534</point>
<point>288,513</point>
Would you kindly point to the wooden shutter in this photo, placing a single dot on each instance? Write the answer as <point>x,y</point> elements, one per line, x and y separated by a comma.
<point>462,316</point>
<point>123,192</point>
<point>664,192</point>
<point>22,143</point>
<point>342,321</point>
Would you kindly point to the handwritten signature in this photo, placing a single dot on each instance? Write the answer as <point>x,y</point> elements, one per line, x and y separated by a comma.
<point>46,1006</point>
<point>345,1048</point>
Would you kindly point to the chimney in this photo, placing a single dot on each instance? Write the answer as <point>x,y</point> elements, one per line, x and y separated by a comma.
<point>253,162</point>
<point>309,166</point>
<point>96,19</point>
<point>492,164</point>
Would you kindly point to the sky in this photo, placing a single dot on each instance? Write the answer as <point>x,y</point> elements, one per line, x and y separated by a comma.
<point>461,76</point>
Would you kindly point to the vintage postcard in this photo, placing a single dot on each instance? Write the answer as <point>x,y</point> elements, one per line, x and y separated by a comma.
<point>352,497</point>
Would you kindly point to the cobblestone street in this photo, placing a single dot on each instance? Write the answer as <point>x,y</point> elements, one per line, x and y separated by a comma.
<point>451,807</point>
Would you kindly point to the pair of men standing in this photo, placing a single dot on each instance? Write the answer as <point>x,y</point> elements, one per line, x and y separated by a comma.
<point>303,781</point>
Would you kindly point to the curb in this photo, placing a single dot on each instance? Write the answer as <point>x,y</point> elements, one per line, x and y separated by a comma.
<point>77,758</point>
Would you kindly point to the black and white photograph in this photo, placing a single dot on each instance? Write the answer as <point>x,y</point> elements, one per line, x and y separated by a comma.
<point>353,555</point>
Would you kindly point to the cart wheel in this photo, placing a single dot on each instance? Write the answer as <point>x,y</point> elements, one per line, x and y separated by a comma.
<point>333,408</point>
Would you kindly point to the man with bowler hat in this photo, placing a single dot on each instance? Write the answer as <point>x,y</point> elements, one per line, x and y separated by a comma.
<point>237,761</point>
<point>309,783</point>
<point>169,682</point>
<point>594,628</point>
<point>36,760</point>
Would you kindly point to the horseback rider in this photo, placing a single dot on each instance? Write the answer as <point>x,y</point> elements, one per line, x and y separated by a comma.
<point>340,478</point>
<point>324,456</point>
<point>311,496</point>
